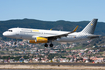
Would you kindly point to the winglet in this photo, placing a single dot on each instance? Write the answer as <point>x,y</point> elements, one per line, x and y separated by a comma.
<point>75,29</point>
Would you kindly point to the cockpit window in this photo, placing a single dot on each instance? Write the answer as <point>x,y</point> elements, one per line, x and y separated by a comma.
<point>10,30</point>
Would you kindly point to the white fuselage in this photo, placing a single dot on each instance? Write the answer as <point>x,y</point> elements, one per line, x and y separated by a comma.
<point>30,34</point>
<point>74,37</point>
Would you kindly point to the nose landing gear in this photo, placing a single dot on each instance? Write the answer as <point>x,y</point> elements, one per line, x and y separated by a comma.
<point>15,42</point>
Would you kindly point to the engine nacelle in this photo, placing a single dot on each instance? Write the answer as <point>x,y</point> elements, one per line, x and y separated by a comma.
<point>39,40</point>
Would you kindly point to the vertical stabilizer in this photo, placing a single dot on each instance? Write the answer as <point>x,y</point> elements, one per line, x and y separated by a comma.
<point>90,27</point>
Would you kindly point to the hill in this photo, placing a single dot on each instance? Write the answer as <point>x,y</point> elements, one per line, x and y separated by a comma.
<point>55,25</point>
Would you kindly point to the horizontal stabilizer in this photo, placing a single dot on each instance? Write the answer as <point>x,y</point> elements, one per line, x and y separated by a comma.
<point>94,36</point>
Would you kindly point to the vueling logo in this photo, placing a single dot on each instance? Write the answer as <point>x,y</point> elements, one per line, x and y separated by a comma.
<point>91,24</point>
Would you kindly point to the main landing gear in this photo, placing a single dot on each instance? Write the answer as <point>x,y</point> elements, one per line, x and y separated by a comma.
<point>46,45</point>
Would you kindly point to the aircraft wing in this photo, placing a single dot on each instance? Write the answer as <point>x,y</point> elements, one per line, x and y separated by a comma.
<point>59,36</point>
<point>64,35</point>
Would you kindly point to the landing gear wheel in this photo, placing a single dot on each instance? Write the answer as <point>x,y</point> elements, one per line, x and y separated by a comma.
<point>51,45</point>
<point>15,43</point>
<point>46,45</point>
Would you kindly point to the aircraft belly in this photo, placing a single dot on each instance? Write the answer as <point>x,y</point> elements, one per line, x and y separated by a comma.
<point>72,39</point>
<point>66,39</point>
<point>26,37</point>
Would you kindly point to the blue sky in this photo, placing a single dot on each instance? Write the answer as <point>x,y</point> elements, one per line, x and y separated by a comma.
<point>53,10</point>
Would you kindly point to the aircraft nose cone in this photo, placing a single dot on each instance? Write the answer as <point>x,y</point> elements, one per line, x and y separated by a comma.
<point>5,34</point>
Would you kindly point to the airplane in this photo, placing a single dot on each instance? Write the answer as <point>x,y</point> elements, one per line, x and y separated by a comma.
<point>47,36</point>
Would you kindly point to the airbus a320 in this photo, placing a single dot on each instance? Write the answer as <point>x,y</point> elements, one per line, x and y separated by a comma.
<point>47,36</point>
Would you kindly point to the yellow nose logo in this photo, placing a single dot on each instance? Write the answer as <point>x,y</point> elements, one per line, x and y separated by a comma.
<point>91,24</point>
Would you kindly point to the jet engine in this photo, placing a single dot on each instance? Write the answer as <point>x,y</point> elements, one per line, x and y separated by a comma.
<point>39,40</point>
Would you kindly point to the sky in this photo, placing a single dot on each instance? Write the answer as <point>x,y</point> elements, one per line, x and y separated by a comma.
<point>53,10</point>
